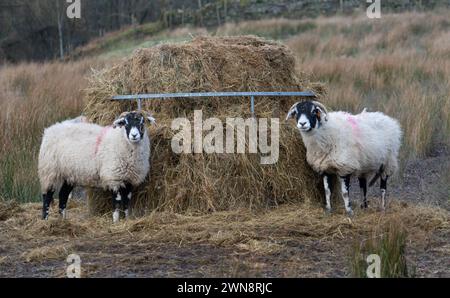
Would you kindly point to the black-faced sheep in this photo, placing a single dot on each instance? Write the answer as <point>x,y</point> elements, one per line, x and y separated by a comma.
<point>76,153</point>
<point>338,143</point>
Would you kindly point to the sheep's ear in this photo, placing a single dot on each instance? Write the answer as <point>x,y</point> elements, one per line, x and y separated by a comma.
<point>119,122</point>
<point>322,110</point>
<point>318,113</point>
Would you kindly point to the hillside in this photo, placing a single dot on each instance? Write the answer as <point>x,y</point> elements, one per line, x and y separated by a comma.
<point>47,33</point>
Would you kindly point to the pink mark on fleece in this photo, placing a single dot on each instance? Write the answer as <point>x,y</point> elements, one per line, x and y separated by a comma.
<point>355,128</point>
<point>100,137</point>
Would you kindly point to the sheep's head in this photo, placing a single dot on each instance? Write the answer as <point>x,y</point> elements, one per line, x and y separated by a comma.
<point>133,124</point>
<point>309,115</point>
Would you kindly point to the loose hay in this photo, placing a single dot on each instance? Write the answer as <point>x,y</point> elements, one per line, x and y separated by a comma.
<point>45,253</point>
<point>287,224</point>
<point>9,209</point>
<point>265,235</point>
<point>58,227</point>
<point>208,182</point>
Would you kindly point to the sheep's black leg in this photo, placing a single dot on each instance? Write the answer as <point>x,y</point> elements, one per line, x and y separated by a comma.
<point>63,197</point>
<point>126,197</point>
<point>345,188</point>
<point>116,202</point>
<point>383,185</point>
<point>47,199</point>
<point>363,186</point>
<point>327,185</point>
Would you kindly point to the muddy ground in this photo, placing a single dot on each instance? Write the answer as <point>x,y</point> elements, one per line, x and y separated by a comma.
<point>289,241</point>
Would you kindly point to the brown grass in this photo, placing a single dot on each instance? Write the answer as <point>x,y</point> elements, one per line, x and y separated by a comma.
<point>389,243</point>
<point>269,28</point>
<point>208,182</point>
<point>399,65</point>
<point>32,97</point>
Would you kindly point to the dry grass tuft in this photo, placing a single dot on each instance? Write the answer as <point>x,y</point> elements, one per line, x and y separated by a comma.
<point>390,245</point>
<point>46,253</point>
<point>208,182</point>
<point>57,227</point>
<point>9,209</point>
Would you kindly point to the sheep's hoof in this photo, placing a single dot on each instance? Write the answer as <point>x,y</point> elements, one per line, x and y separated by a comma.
<point>62,214</point>
<point>328,211</point>
<point>364,205</point>
<point>116,216</point>
<point>350,213</point>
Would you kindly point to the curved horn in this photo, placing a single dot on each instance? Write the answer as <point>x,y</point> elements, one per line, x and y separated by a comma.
<point>291,111</point>
<point>150,118</point>
<point>119,121</point>
<point>147,116</point>
<point>320,105</point>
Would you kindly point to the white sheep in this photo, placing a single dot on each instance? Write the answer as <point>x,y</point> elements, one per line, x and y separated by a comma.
<point>338,143</point>
<point>76,153</point>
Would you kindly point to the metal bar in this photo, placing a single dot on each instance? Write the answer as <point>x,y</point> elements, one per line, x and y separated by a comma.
<point>139,104</point>
<point>209,94</point>
<point>252,105</point>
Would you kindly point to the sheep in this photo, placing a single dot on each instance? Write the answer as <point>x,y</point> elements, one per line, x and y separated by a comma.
<point>76,153</point>
<point>79,119</point>
<point>338,143</point>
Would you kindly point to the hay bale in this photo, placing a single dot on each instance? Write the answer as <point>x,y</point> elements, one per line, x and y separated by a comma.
<point>208,182</point>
